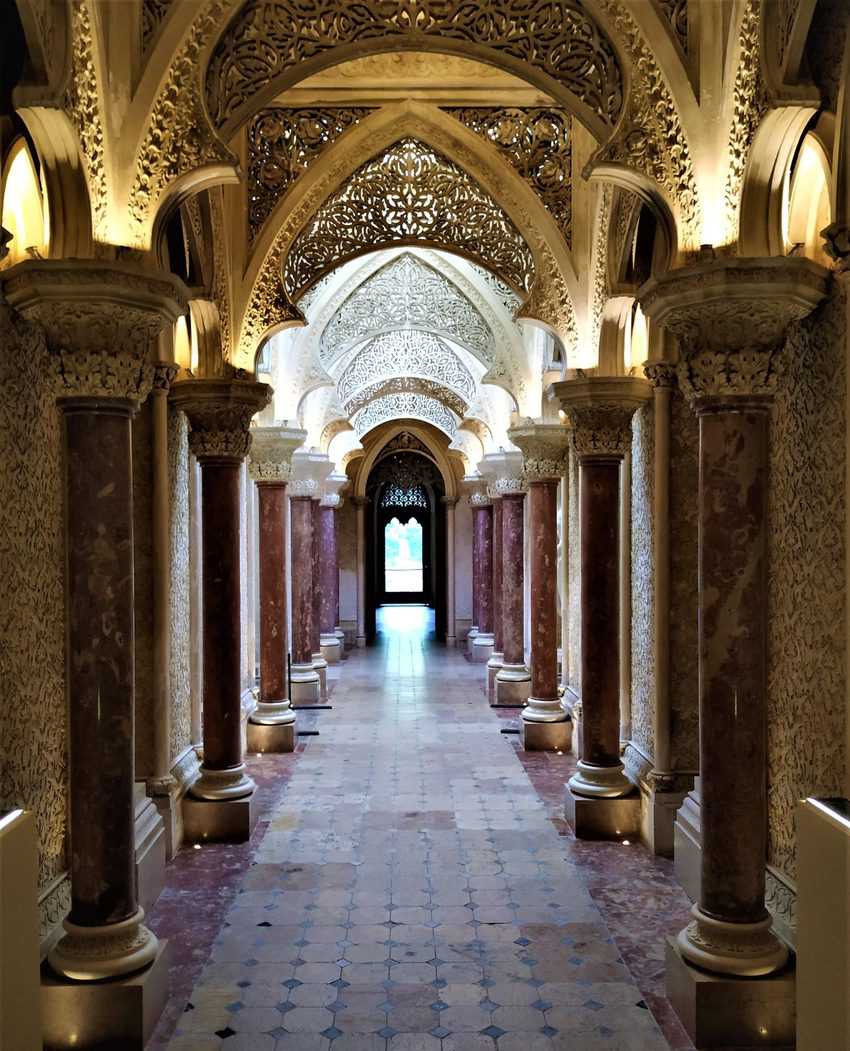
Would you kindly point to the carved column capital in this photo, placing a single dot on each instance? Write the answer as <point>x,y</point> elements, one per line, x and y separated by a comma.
<point>164,374</point>
<point>730,316</point>
<point>661,374</point>
<point>309,471</point>
<point>600,409</point>
<point>476,491</point>
<point>836,244</point>
<point>544,448</point>
<point>220,413</point>
<point>101,321</point>
<point>331,490</point>
<point>504,474</point>
<point>271,452</point>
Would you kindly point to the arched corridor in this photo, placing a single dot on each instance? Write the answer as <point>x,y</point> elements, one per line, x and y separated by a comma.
<point>412,881</point>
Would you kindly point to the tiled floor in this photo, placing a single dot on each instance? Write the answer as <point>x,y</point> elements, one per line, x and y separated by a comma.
<point>412,888</point>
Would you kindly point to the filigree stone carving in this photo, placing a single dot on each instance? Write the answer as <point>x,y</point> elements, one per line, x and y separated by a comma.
<point>660,373</point>
<point>409,193</point>
<point>407,294</point>
<point>406,353</point>
<point>538,144</point>
<point>220,413</point>
<point>268,39</point>
<point>282,144</point>
<point>601,409</point>
<point>405,405</point>
<point>88,310</point>
<point>676,14</point>
<point>402,384</point>
<point>180,660</point>
<point>271,452</point>
<point>82,103</point>
<point>153,15</point>
<point>643,675</point>
<point>544,448</point>
<point>837,244</point>
<point>405,470</point>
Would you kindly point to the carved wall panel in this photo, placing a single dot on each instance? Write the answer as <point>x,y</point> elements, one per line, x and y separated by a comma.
<point>537,142</point>
<point>82,103</point>
<point>282,143</point>
<point>684,495</point>
<point>410,193</point>
<point>143,589</point>
<point>806,647</point>
<point>407,294</point>
<point>405,405</point>
<point>269,38</point>
<point>676,14</point>
<point>180,667</point>
<point>643,582</point>
<point>33,761</point>
<point>400,384</point>
<point>153,15</point>
<point>405,353</point>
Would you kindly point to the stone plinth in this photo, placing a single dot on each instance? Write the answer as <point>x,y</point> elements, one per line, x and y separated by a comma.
<point>591,818</point>
<point>219,821</point>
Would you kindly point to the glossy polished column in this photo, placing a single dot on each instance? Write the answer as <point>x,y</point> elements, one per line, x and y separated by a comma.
<point>545,725</point>
<point>472,485</point>
<point>513,679</point>
<point>304,677</point>
<point>601,410</point>
<point>220,413</point>
<point>271,726</point>
<point>449,503</point>
<point>482,527</point>
<point>329,641</point>
<point>729,372</point>
<point>319,662</point>
<point>360,503</point>
<point>88,310</point>
<point>495,661</point>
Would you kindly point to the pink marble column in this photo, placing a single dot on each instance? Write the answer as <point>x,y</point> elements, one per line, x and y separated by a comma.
<point>476,573</point>
<point>482,524</point>
<point>305,679</point>
<point>513,680</point>
<point>329,556</point>
<point>497,580</point>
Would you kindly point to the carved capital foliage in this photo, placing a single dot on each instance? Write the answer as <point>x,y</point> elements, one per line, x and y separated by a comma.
<point>101,322</point>
<point>731,317</point>
<point>220,413</point>
<point>661,374</point>
<point>271,452</point>
<point>837,244</point>
<point>164,374</point>
<point>476,492</point>
<point>601,409</point>
<point>304,488</point>
<point>504,473</point>
<point>544,449</point>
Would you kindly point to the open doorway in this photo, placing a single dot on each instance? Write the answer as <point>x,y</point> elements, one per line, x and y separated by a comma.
<point>403,566</point>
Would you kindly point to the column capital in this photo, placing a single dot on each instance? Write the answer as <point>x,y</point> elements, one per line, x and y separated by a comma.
<point>475,488</point>
<point>504,473</point>
<point>220,413</point>
<point>270,459</point>
<point>331,490</point>
<point>101,321</point>
<point>544,448</point>
<point>164,374</point>
<point>730,316</point>
<point>449,501</point>
<point>661,374</point>
<point>836,244</point>
<point>600,409</point>
<point>310,468</point>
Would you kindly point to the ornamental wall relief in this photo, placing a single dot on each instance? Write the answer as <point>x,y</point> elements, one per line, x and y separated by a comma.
<point>405,406</point>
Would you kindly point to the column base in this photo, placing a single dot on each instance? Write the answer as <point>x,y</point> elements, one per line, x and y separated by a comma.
<point>271,737</point>
<point>722,1011</point>
<point>149,836</point>
<point>117,1014</point>
<point>482,648</point>
<point>219,821</point>
<point>658,815</point>
<point>471,636</point>
<point>215,785</point>
<point>493,666</point>
<point>600,782</point>
<point>512,685</point>
<point>687,846</point>
<point>451,641</point>
<point>331,649</point>
<point>747,950</point>
<point>89,954</point>
<point>272,713</point>
<point>614,819</point>
<point>360,642</point>
<point>304,684</point>
<point>320,666</point>
<point>545,737</point>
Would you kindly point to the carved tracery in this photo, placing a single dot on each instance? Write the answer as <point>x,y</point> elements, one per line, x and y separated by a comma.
<point>406,405</point>
<point>406,294</point>
<point>268,40</point>
<point>406,384</point>
<point>409,194</point>
<point>537,142</point>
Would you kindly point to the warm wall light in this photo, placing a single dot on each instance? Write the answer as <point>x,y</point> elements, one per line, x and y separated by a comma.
<point>182,345</point>
<point>809,209</point>
<point>23,209</point>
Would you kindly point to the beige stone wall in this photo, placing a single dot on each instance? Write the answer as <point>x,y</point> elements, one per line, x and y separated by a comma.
<point>684,683</point>
<point>806,597</point>
<point>143,586</point>
<point>643,582</point>
<point>180,667</point>
<point>33,761</point>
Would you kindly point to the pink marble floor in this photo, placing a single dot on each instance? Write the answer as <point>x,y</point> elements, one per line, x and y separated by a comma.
<point>412,887</point>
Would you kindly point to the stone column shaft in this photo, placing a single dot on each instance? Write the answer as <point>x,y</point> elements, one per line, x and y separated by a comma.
<point>542,497</point>
<point>482,525</point>
<point>329,570</point>
<point>360,505</point>
<point>274,642</point>
<point>451,627</point>
<point>497,579</point>
<point>513,680</point>
<point>302,579</point>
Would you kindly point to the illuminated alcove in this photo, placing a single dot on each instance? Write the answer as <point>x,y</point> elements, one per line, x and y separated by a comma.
<point>22,204</point>
<point>809,209</point>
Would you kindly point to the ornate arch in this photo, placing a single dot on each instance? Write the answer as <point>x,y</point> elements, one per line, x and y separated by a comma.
<point>407,404</point>
<point>450,398</point>
<point>269,45</point>
<point>266,308</point>
<point>425,436</point>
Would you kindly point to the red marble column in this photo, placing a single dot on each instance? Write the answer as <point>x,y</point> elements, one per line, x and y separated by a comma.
<point>302,580</point>
<point>544,704</point>
<point>329,559</point>
<point>482,524</point>
<point>476,574</point>
<point>315,620</point>
<point>497,580</point>
<point>274,643</point>
<point>513,678</point>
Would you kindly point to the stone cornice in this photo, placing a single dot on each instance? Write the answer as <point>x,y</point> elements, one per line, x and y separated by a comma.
<point>271,452</point>
<point>544,449</point>
<point>600,409</point>
<point>101,321</point>
<point>220,413</point>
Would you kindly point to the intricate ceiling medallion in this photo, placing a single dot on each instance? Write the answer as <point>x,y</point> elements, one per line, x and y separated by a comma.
<point>267,40</point>
<point>537,142</point>
<point>406,294</point>
<point>282,143</point>
<point>401,384</point>
<point>409,194</point>
<point>405,354</point>
<point>405,406</point>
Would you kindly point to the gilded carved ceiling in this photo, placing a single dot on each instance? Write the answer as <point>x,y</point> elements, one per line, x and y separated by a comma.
<point>267,40</point>
<point>410,193</point>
